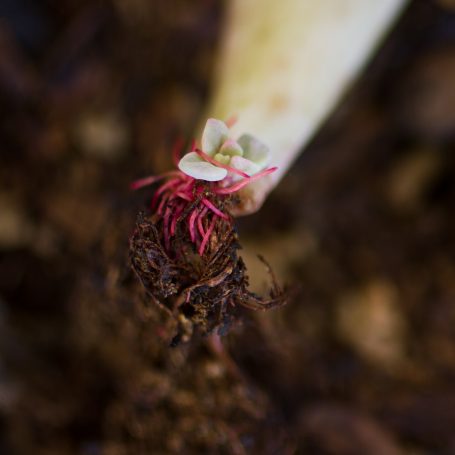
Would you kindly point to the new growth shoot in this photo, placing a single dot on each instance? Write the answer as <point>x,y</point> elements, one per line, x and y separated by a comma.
<point>185,250</point>
<point>221,167</point>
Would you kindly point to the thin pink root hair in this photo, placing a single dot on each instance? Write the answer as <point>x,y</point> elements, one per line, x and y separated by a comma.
<point>238,186</point>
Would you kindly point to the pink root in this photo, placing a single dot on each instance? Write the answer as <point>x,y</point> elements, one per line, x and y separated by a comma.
<point>199,221</point>
<point>191,222</point>
<point>171,183</point>
<point>146,181</point>
<point>207,235</point>
<point>244,182</point>
<point>211,160</point>
<point>215,210</point>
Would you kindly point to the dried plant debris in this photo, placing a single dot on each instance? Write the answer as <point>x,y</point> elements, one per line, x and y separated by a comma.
<point>185,250</point>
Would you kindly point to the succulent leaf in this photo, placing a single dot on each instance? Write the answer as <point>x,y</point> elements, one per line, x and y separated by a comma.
<point>231,148</point>
<point>214,134</point>
<point>254,150</point>
<point>242,164</point>
<point>195,167</point>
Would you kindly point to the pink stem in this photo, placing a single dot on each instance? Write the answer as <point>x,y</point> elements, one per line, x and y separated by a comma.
<point>168,184</point>
<point>188,184</point>
<point>183,196</point>
<point>215,210</point>
<point>242,183</point>
<point>164,200</point>
<point>185,189</point>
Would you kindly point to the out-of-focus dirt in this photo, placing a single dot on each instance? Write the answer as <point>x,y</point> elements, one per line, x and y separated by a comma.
<point>362,360</point>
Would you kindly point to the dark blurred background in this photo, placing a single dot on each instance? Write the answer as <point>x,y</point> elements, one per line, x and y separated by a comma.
<point>362,361</point>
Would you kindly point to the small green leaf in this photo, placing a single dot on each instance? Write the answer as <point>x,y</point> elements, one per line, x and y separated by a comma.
<point>223,159</point>
<point>231,148</point>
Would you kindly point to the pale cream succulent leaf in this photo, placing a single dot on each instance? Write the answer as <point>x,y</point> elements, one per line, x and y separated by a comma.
<point>191,164</point>
<point>254,150</point>
<point>245,165</point>
<point>214,134</point>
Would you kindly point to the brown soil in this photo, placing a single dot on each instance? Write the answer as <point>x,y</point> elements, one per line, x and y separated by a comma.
<point>362,360</point>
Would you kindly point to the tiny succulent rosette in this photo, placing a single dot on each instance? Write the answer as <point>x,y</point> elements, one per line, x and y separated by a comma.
<point>185,250</point>
<point>197,195</point>
<point>221,155</point>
